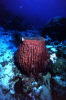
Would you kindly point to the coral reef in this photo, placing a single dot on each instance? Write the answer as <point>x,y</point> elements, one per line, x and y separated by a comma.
<point>15,85</point>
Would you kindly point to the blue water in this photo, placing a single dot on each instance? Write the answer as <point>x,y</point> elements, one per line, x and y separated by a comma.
<point>36,12</point>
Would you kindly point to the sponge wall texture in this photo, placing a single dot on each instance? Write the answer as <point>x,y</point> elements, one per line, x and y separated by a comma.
<point>32,56</point>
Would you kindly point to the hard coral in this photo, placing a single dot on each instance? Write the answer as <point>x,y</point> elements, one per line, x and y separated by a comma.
<point>32,56</point>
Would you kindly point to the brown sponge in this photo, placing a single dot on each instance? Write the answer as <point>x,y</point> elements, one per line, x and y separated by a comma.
<point>32,56</point>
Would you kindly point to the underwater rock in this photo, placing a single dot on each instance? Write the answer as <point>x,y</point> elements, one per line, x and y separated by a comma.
<point>32,56</point>
<point>58,86</point>
<point>61,50</point>
<point>28,27</point>
<point>58,80</point>
<point>18,87</point>
<point>56,28</point>
<point>42,93</point>
<point>59,67</point>
<point>17,38</point>
<point>14,24</point>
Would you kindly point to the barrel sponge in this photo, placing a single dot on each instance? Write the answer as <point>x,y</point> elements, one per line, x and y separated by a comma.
<point>32,56</point>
